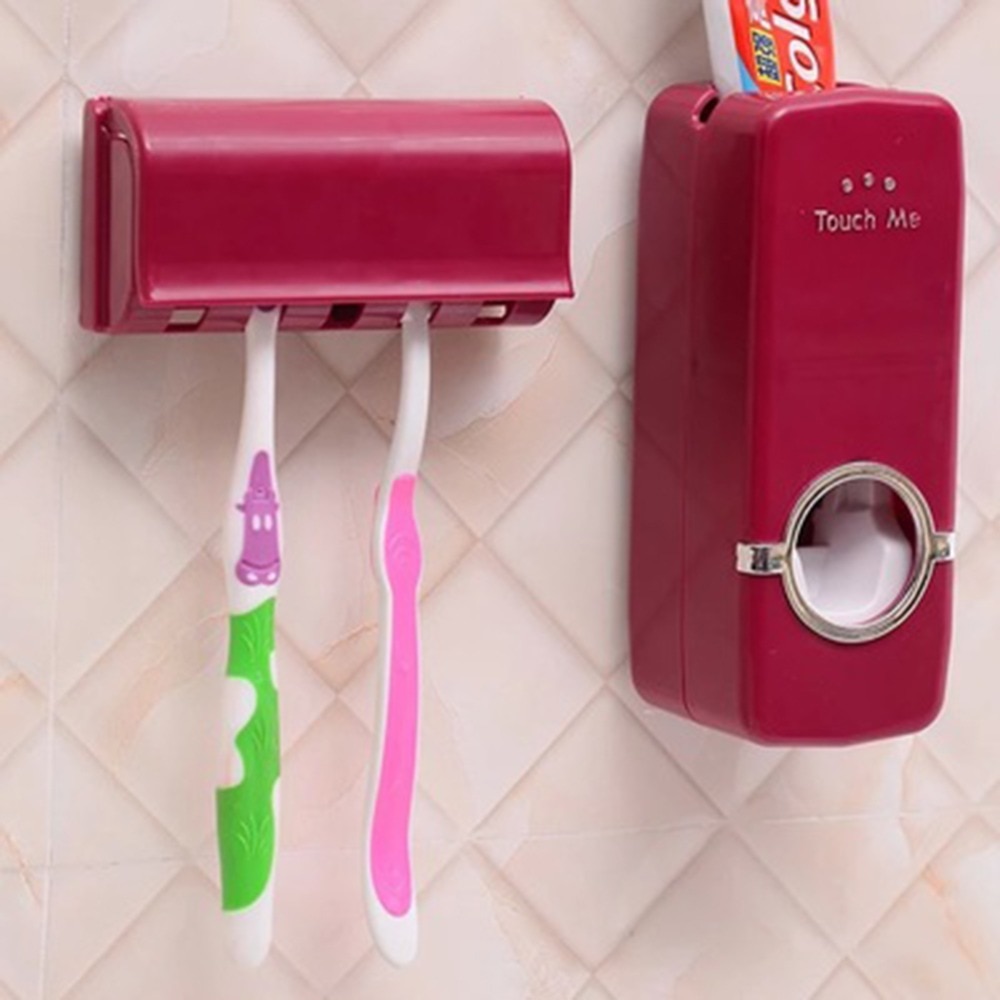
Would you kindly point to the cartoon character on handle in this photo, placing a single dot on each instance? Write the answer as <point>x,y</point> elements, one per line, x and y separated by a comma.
<point>260,562</point>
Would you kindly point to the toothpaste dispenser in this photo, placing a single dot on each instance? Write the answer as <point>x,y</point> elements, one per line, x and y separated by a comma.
<point>795,411</point>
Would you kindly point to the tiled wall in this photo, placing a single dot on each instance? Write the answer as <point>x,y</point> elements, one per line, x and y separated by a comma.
<point>571,843</point>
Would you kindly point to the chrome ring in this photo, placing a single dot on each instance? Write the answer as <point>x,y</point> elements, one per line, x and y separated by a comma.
<point>932,547</point>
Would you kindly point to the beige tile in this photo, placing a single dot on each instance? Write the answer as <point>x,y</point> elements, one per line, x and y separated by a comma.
<point>22,708</point>
<point>169,408</point>
<point>970,521</point>
<point>24,806</point>
<point>847,873</point>
<point>594,991</point>
<point>95,820</point>
<point>349,353</point>
<point>634,31</point>
<point>847,984</point>
<point>499,684</point>
<point>158,689</point>
<point>323,784</point>
<point>531,47</point>
<point>605,197</point>
<point>175,950</point>
<point>877,28</point>
<point>725,929</point>
<point>604,310</point>
<point>31,184</point>
<point>22,919</point>
<point>940,941</point>
<point>358,34</point>
<point>683,58</point>
<point>320,914</point>
<point>212,48</point>
<point>320,922</point>
<point>888,778</point>
<point>965,738</point>
<point>982,233</point>
<point>980,382</point>
<point>27,70</point>
<point>29,484</point>
<point>90,909</point>
<point>92,20</point>
<point>25,391</point>
<point>726,769</point>
<point>567,537</point>
<point>478,939</point>
<point>118,549</point>
<point>854,60</point>
<point>328,595</point>
<point>598,829</point>
<point>149,709</point>
<point>504,403</point>
<point>46,18</point>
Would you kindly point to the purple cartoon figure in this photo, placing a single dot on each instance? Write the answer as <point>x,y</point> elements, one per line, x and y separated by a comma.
<point>260,562</point>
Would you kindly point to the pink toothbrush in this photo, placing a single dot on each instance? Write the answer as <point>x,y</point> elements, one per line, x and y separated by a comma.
<point>389,892</point>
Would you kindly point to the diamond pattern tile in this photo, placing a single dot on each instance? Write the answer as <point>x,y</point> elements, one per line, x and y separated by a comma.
<point>29,484</point>
<point>536,47</point>
<point>505,949</point>
<point>96,821</point>
<point>634,31</point>
<point>24,815</point>
<point>168,408</point>
<point>31,183</point>
<point>328,595</point>
<point>847,984</point>
<point>111,567</point>
<point>91,908</point>
<point>486,385</point>
<point>181,921</point>
<point>982,234</point>
<point>723,929</point>
<point>728,770</point>
<point>878,25</point>
<point>22,917</point>
<point>22,708</point>
<point>953,906</point>
<point>644,821</point>
<point>28,69</point>
<point>46,19</point>
<point>550,541</point>
<point>570,841</point>
<point>196,49</point>
<point>964,738</point>
<point>494,665</point>
<point>359,34</point>
<point>25,391</point>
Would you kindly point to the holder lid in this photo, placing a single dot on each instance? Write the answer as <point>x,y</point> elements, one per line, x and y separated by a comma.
<point>206,207</point>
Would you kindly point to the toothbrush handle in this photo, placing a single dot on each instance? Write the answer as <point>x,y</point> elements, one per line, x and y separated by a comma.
<point>391,897</point>
<point>247,802</point>
<point>247,812</point>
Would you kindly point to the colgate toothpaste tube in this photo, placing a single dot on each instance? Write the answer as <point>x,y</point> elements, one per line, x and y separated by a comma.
<point>771,47</point>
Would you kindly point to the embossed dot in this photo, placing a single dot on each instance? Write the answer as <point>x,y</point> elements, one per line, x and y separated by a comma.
<point>869,180</point>
<point>890,184</point>
<point>847,185</point>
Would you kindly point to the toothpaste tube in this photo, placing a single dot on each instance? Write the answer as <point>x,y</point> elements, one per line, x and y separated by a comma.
<point>770,47</point>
